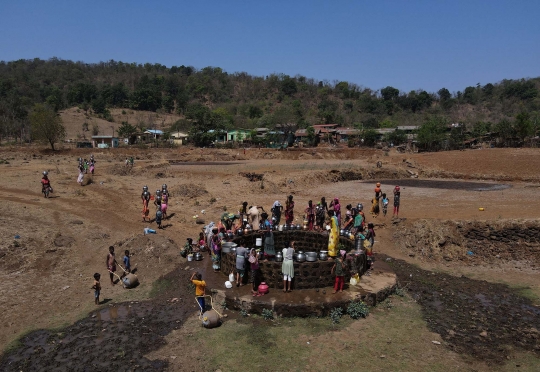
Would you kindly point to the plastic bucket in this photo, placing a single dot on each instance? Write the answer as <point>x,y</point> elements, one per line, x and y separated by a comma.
<point>190,257</point>
<point>258,242</point>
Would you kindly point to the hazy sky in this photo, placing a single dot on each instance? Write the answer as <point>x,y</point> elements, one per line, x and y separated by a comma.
<point>407,44</point>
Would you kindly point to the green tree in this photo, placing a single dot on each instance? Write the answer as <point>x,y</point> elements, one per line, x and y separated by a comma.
<point>126,130</point>
<point>523,125</point>
<point>457,137</point>
<point>370,137</point>
<point>445,98</point>
<point>288,86</point>
<point>469,95</point>
<point>99,106</point>
<point>207,126</point>
<point>480,129</point>
<point>370,122</point>
<point>46,125</point>
<point>310,131</point>
<point>387,123</point>
<point>431,134</point>
<point>396,137</point>
<point>389,93</point>
<point>506,130</point>
<point>168,104</point>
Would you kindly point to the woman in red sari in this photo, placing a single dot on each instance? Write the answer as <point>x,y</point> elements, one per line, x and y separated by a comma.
<point>289,210</point>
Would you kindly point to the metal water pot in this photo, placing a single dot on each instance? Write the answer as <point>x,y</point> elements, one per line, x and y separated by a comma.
<point>358,243</point>
<point>323,255</point>
<point>198,256</point>
<point>301,257</point>
<point>279,257</point>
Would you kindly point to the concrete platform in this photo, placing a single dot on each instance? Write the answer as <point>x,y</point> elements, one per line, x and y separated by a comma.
<point>372,289</point>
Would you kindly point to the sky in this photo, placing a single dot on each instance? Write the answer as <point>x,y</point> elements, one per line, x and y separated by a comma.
<point>406,44</point>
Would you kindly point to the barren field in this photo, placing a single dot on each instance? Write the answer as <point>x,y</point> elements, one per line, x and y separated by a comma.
<point>50,248</point>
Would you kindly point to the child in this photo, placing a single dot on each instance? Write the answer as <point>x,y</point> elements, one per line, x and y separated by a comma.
<point>370,236</point>
<point>187,248</point>
<point>368,245</point>
<point>397,196</point>
<point>159,216</point>
<point>96,287</point>
<point>164,202</point>
<point>254,278</point>
<point>200,286</point>
<point>111,263</point>
<point>385,202</point>
<point>202,243</point>
<point>127,261</point>
<point>339,268</point>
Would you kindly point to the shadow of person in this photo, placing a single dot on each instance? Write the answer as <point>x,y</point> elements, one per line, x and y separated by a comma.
<point>105,300</point>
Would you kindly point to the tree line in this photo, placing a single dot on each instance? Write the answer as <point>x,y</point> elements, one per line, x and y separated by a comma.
<point>212,97</point>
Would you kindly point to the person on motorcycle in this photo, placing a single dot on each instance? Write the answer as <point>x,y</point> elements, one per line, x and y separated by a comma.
<point>45,183</point>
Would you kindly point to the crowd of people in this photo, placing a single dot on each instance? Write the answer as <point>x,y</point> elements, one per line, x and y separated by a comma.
<point>85,166</point>
<point>161,202</point>
<point>320,217</point>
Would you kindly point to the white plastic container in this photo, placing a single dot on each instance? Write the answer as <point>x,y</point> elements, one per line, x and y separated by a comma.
<point>231,277</point>
<point>258,242</point>
<point>190,257</point>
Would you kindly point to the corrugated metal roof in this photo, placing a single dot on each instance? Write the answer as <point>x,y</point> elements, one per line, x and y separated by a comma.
<point>154,131</point>
<point>408,127</point>
<point>325,126</point>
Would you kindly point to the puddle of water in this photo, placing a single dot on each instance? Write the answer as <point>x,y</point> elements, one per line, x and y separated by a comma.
<point>445,185</point>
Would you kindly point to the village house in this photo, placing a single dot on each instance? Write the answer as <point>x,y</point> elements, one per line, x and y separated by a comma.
<point>104,142</point>
<point>178,138</point>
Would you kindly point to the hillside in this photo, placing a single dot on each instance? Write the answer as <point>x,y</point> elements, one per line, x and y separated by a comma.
<point>74,118</point>
<point>241,100</point>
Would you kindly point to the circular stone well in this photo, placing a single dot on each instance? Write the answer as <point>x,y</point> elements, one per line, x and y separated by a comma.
<point>307,275</point>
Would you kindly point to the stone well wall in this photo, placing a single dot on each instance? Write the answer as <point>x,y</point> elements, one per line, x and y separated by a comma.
<point>306,274</point>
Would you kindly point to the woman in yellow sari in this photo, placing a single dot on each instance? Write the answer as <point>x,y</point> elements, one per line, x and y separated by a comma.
<point>333,237</point>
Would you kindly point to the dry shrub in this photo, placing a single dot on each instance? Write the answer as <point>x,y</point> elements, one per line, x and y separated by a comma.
<point>188,190</point>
